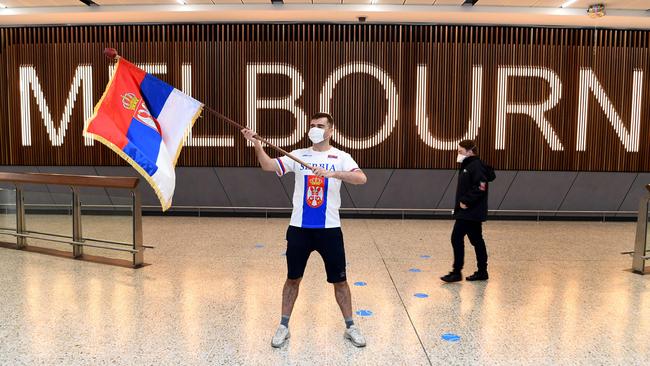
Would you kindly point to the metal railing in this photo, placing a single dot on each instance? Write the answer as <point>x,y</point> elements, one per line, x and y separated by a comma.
<point>395,212</point>
<point>77,239</point>
<point>642,240</point>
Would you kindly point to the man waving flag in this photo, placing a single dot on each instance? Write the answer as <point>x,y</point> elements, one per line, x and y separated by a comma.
<point>145,121</point>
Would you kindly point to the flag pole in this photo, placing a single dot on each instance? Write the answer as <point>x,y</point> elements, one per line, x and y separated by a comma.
<point>257,137</point>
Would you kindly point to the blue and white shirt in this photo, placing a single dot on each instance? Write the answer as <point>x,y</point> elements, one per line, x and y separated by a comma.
<point>316,200</point>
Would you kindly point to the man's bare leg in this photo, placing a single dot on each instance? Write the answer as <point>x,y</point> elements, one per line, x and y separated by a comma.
<point>289,296</point>
<point>344,299</point>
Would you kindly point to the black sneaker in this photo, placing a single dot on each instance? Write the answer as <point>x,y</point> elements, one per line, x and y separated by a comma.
<point>478,276</point>
<point>452,277</point>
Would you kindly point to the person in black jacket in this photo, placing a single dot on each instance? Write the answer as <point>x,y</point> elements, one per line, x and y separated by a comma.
<point>470,211</point>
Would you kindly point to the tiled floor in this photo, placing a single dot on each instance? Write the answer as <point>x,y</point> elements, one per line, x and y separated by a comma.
<point>559,294</point>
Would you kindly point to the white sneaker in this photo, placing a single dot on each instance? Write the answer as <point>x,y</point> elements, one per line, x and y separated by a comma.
<point>281,335</point>
<point>354,335</point>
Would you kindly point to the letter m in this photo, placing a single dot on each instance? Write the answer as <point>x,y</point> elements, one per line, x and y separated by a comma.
<point>29,82</point>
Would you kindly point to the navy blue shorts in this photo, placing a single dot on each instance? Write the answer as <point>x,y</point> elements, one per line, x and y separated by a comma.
<point>327,242</point>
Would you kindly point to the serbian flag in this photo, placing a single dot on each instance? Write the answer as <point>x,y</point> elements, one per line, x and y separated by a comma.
<point>146,122</point>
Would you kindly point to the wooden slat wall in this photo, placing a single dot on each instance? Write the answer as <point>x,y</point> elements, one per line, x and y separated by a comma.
<point>449,57</point>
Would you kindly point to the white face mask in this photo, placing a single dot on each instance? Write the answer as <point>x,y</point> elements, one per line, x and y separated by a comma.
<point>460,158</point>
<point>316,135</point>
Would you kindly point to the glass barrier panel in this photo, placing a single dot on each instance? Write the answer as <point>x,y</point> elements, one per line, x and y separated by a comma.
<point>647,227</point>
<point>7,214</point>
<point>108,218</point>
<point>48,212</point>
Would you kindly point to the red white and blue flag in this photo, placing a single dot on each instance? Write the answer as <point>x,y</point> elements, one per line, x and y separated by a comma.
<point>145,121</point>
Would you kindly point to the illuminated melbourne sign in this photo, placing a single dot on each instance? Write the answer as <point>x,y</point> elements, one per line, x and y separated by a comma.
<point>399,105</point>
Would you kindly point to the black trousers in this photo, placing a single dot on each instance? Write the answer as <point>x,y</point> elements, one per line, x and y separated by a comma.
<point>327,242</point>
<point>474,231</point>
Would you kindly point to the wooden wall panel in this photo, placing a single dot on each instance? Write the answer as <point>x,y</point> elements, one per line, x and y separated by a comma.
<point>401,95</point>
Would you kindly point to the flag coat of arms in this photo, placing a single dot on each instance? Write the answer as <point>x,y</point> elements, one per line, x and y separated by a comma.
<point>145,121</point>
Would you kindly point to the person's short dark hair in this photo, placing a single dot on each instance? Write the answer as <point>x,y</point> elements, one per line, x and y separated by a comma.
<point>318,115</point>
<point>469,145</point>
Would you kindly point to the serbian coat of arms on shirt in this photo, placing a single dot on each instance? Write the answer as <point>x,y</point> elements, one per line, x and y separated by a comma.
<point>315,191</point>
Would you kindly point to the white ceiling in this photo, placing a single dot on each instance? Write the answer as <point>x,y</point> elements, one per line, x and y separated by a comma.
<point>609,4</point>
<point>620,14</point>
<point>39,3</point>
